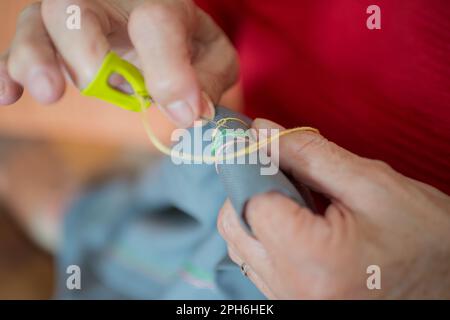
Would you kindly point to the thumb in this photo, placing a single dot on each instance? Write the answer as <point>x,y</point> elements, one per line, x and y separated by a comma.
<point>319,163</point>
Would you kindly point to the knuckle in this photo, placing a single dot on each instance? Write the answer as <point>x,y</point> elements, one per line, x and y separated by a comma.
<point>304,142</point>
<point>378,170</point>
<point>26,52</point>
<point>381,166</point>
<point>260,210</point>
<point>156,12</point>
<point>220,81</point>
<point>229,68</point>
<point>164,87</point>
<point>254,205</point>
<point>375,175</point>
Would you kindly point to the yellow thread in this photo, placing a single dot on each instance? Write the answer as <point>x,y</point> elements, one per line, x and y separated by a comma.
<point>221,123</point>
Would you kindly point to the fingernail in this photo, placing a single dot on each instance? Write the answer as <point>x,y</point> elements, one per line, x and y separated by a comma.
<point>41,87</point>
<point>181,113</point>
<point>209,111</point>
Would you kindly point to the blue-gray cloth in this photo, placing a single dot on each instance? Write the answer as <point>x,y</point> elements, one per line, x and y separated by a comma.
<point>155,237</point>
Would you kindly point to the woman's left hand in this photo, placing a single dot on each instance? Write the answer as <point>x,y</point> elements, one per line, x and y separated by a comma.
<point>381,229</point>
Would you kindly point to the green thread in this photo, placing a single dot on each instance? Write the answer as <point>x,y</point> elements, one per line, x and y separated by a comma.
<point>223,134</point>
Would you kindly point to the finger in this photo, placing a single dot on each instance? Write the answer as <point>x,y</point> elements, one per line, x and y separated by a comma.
<point>319,163</point>
<point>32,58</point>
<point>252,275</point>
<point>279,223</point>
<point>83,49</point>
<point>244,245</point>
<point>161,33</point>
<point>10,91</point>
<point>216,64</point>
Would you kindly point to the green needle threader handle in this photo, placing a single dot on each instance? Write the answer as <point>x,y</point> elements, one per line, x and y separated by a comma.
<point>101,88</point>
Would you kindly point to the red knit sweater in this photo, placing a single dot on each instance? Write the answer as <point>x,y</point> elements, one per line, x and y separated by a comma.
<point>383,94</point>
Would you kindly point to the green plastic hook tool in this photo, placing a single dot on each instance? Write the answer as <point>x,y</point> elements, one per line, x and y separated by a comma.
<point>101,88</point>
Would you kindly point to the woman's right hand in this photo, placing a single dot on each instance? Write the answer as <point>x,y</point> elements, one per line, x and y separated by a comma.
<point>187,60</point>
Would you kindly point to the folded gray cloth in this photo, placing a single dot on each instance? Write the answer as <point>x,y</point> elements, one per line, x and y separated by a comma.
<point>155,237</point>
<point>243,180</point>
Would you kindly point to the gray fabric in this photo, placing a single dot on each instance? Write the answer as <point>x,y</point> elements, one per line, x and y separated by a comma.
<point>155,236</point>
<point>243,181</point>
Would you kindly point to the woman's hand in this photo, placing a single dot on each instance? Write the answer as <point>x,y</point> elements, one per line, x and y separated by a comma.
<point>186,58</point>
<point>376,217</point>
